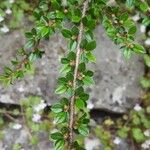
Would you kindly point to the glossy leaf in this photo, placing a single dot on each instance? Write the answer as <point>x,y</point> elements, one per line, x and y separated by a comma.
<point>91,46</point>
<point>56,136</point>
<point>91,57</point>
<point>66,33</point>
<point>88,80</point>
<point>80,103</point>
<point>57,108</point>
<point>83,130</point>
<point>139,49</point>
<point>61,117</point>
<point>59,144</point>
<point>61,89</point>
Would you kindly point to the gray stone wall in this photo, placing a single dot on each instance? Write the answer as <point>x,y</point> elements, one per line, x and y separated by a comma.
<point>117,80</point>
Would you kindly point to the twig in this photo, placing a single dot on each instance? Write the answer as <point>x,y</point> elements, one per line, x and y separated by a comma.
<point>10,113</point>
<point>11,118</point>
<point>72,111</point>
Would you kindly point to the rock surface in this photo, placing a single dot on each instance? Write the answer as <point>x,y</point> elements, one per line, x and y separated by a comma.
<point>94,143</point>
<point>117,80</point>
<point>21,137</point>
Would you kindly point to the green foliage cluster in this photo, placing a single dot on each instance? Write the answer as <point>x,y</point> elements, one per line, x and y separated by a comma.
<point>133,126</point>
<point>31,116</point>
<point>122,30</point>
<point>105,137</point>
<point>13,13</point>
<point>30,108</point>
<point>76,20</point>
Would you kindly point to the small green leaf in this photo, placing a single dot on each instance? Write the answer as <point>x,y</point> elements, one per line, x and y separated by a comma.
<point>91,57</point>
<point>124,16</point>
<point>129,3</point>
<point>61,117</point>
<point>132,30</point>
<point>75,30</point>
<point>32,57</point>
<point>61,80</point>
<point>127,53</point>
<point>56,136</point>
<point>144,6</point>
<point>83,130</point>
<point>44,31</point>
<point>91,46</point>
<point>51,15</point>
<point>66,33</point>
<point>29,34</point>
<point>65,69</point>
<point>83,43</point>
<point>88,80</point>
<point>80,103</point>
<point>91,24</point>
<point>29,44</point>
<point>57,108</point>
<point>34,140</point>
<point>28,66</point>
<point>138,134</point>
<point>89,73</point>
<point>73,45</point>
<point>145,121</point>
<point>71,56</point>
<point>146,21</point>
<point>64,61</point>
<point>123,132</point>
<point>77,146</point>
<point>61,89</point>
<point>69,91</point>
<point>59,15</point>
<point>19,74</point>
<point>139,49</point>
<point>84,96</point>
<point>76,19</point>
<point>82,67</point>
<point>59,144</point>
<point>128,23</point>
<point>145,82</point>
<point>69,76</point>
<point>16,147</point>
<point>136,120</point>
<point>111,32</point>
<point>7,70</point>
<point>147,60</point>
<point>64,102</point>
<point>55,4</point>
<point>148,109</point>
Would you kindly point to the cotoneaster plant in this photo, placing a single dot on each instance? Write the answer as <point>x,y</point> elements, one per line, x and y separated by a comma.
<point>76,20</point>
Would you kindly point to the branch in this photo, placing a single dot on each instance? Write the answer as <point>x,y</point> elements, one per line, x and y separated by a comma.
<point>72,111</point>
<point>20,65</point>
<point>23,62</point>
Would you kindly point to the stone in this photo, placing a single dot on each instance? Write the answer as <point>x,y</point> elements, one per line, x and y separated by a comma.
<point>117,80</point>
<point>21,137</point>
<point>42,80</point>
